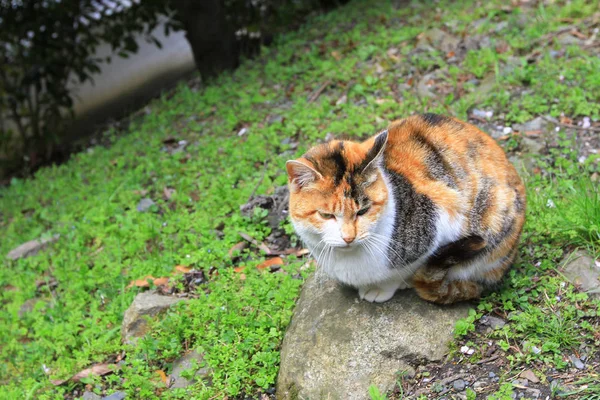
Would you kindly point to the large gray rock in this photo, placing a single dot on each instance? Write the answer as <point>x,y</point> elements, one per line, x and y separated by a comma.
<point>337,346</point>
<point>146,304</point>
<point>31,248</point>
<point>583,271</point>
<point>185,363</point>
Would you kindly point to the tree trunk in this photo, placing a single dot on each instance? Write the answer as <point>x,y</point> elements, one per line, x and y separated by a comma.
<point>210,35</point>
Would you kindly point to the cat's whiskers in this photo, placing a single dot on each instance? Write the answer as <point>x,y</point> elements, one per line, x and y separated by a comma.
<point>384,254</point>
<point>406,250</point>
<point>383,243</point>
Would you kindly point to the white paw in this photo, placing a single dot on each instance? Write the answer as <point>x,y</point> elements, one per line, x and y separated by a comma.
<point>376,294</point>
<point>405,285</point>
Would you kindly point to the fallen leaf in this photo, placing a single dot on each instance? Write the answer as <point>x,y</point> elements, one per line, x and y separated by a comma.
<point>255,242</point>
<point>183,269</point>
<point>566,120</point>
<point>141,282</point>
<point>194,195</point>
<point>97,251</point>
<point>302,252</point>
<point>242,277</point>
<point>383,101</point>
<point>161,281</point>
<point>98,369</point>
<point>238,247</point>
<point>270,262</point>
<point>341,100</point>
<point>392,51</point>
<point>168,192</point>
<point>239,269</point>
<point>529,375</point>
<point>578,34</point>
<point>336,55</point>
<point>502,48</point>
<point>450,54</point>
<point>144,282</point>
<point>533,133</point>
<point>163,377</point>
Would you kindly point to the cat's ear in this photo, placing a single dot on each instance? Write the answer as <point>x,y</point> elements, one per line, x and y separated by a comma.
<point>301,175</point>
<point>375,154</point>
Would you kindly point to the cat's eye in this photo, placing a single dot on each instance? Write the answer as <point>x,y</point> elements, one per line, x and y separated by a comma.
<point>326,215</point>
<point>363,211</point>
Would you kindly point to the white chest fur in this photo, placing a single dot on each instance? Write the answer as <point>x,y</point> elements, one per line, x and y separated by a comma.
<point>368,262</point>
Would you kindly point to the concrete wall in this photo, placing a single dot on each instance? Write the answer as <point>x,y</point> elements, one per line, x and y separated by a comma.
<point>127,83</point>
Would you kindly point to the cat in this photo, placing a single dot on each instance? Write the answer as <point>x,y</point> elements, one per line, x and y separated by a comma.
<point>430,203</point>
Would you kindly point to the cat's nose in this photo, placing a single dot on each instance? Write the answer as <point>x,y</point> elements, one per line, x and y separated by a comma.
<point>348,239</point>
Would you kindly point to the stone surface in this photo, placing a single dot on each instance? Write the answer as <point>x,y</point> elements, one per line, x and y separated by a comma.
<point>145,204</point>
<point>486,85</point>
<point>115,396</point>
<point>90,396</point>
<point>185,363</point>
<point>576,362</point>
<point>493,322</point>
<point>31,248</point>
<point>459,384</point>
<point>337,346</point>
<point>145,304</point>
<point>582,270</point>
<point>566,39</point>
<point>530,376</point>
<point>531,146</point>
<point>536,124</point>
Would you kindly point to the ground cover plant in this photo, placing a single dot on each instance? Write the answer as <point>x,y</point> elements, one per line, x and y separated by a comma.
<point>202,151</point>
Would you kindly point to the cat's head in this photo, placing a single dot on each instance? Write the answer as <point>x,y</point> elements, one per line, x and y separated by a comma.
<point>337,192</point>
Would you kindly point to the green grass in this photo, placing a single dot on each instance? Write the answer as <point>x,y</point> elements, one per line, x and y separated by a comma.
<point>365,53</point>
<point>548,320</point>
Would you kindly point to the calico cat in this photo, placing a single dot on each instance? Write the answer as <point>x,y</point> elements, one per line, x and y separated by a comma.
<point>430,203</point>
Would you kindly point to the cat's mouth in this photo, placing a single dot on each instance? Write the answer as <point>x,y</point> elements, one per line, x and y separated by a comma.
<point>346,248</point>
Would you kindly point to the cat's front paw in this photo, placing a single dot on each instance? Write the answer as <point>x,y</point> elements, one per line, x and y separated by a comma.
<point>376,294</point>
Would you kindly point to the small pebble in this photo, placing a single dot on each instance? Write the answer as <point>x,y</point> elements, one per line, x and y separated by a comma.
<point>145,204</point>
<point>482,113</point>
<point>586,123</point>
<point>459,385</point>
<point>115,396</point>
<point>492,375</point>
<point>577,362</point>
<point>479,385</point>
